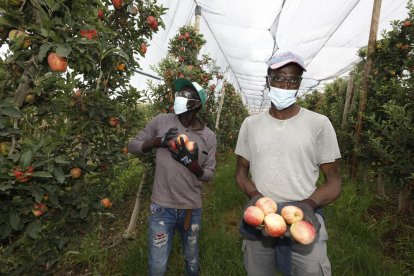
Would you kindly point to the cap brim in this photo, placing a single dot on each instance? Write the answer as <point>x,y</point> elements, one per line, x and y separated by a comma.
<point>283,63</point>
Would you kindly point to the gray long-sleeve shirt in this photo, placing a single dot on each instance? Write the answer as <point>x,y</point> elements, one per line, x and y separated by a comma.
<point>174,185</point>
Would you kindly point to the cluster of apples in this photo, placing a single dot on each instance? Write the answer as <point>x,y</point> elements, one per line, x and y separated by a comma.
<point>263,214</point>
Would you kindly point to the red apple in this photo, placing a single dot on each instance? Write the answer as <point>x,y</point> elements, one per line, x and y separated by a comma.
<point>253,216</point>
<point>117,4</point>
<point>186,35</point>
<point>292,214</point>
<point>407,23</point>
<point>101,14</point>
<point>143,48</point>
<point>275,225</point>
<point>106,203</point>
<point>180,59</point>
<point>37,213</point>
<point>75,172</point>
<point>190,146</point>
<point>303,232</point>
<point>57,63</point>
<point>267,205</point>
<point>77,93</point>
<point>185,138</point>
<point>113,121</point>
<point>180,37</point>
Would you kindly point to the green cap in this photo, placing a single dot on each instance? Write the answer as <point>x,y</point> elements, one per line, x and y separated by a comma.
<point>180,83</point>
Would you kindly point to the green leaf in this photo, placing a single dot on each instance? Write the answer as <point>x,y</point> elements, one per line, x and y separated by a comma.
<point>11,111</point>
<point>59,175</point>
<point>5,187</point>
<point>61,160</point>
<point>38,194</point>
<point>42,174</point>
<point>33,229</point>
<point>63,50</point>
<point>5,231</point>
<point>14,220</point>
<point>44,32</point>
<point>43,51</point>
<point>26,158</point>
<point>84,212</point>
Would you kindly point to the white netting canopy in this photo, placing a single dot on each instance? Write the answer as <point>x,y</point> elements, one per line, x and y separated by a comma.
<point>242,35</point>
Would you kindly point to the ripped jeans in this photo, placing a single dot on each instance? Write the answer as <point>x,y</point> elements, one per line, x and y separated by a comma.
<point>163,223</point>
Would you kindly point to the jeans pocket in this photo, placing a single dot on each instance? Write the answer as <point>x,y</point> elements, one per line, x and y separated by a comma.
<point>156,210</point>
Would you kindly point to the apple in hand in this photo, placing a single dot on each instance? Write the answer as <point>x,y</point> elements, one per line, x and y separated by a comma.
<point>253,216</point>
<point>275,225</point>
<point>292,214</point>
<point>303,232</point>
<point>267,205</point>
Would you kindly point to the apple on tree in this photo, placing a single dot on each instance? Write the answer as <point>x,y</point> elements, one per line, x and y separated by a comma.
<point>75,172</point>
<point>106,203</point>
<point>113,121</point>
<point>57,63</point>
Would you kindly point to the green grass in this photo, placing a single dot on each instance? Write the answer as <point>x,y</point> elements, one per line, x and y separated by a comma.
<point>366,235</point>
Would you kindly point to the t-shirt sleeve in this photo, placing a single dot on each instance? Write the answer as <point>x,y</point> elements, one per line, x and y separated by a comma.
<point>148,133</point>
<point>242,146</point>
<point>327,143</point>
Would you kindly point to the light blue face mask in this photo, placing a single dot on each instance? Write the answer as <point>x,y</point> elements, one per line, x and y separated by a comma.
<point>282,98</point>
<point>180,105</point>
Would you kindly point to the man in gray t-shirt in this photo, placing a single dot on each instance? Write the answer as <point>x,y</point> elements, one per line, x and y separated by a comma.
<point>279,155</point>
<point>181,167</point>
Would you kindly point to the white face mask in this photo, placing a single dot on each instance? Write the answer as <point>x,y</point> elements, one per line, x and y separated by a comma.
<point>282,98</point>
<point>180,105</point>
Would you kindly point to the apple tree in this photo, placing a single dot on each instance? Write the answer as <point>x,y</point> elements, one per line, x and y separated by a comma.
<point>66,113</point>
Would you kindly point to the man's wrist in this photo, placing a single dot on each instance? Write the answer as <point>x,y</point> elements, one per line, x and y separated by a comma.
<point>254,193</point>
<point>156,142</point>
<point>196,169</point>
<point>311,203</point>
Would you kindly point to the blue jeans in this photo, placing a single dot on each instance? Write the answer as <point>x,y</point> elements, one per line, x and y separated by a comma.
<point>163,223</point>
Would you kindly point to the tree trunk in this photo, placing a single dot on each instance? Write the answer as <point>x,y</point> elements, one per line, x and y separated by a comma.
<point>380,185</point>
<point>404,200</point>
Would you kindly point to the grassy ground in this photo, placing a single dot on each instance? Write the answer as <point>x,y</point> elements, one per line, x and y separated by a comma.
<point>366,236</point>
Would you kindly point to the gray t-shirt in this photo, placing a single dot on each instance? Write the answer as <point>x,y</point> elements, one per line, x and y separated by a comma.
<point>285,155</point>
<point>174,185</point>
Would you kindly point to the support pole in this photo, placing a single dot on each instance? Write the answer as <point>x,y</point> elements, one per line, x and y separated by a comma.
<point>348,100</point>
<point>365,85</point>
<point>197,18</point>
<point>131,230</point>
<point>223,90</point>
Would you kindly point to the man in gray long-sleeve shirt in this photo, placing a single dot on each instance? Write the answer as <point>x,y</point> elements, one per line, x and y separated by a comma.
<point>179,173</point>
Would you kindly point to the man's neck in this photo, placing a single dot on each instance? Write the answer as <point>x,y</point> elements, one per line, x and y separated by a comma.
<point>284,114</point>
<point>190,120</point>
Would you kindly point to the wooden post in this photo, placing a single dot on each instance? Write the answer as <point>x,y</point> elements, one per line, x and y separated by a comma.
<point>223,90</point>
<point>130,232</point>
<point>348,100</point>
<point>197,18</point>
<point>365,85</point>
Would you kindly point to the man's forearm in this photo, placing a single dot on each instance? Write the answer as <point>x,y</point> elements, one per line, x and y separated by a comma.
<point>326,193</point>
<point>150,144</point>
